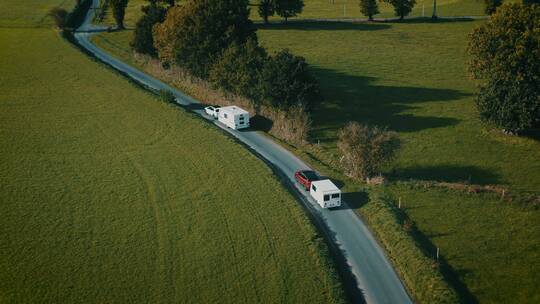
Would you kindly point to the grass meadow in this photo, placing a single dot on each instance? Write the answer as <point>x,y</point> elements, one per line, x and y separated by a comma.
<point>29,13</point>
<point>108,195</point>
<point>411,77</point>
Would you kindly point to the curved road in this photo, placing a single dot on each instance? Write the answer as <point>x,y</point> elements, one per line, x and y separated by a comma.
<point>374,275</point>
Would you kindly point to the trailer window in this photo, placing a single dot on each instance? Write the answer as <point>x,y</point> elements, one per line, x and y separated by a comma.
<point>335,195</point>
<point>313,187</point>
<point>326,197</point>
<point>225,115</point>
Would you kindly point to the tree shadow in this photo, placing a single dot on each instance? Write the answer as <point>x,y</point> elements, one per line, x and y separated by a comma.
<point>261,123</point>
<point>354,200</point>
<point>354,98</point>
<point>304,25</point>
<point>448,173</point>
<point>417,20</point>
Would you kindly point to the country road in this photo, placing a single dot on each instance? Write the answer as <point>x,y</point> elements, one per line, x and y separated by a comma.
<point>375,278</point>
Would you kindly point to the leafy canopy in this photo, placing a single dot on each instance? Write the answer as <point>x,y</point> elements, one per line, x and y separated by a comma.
<point>504,56</point>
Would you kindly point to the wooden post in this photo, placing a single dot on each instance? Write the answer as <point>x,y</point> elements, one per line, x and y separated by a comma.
<point>399,203</point>
<point>437,253</point>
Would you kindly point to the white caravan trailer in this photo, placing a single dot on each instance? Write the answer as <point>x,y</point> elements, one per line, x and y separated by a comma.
<point>234,117</point>
<point>325,193</point>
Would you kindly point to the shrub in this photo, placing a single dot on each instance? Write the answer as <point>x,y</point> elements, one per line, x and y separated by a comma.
<point>402,8</point>
<point>59,16</point>
<point>366,149</point>
<point>286,81</point>
<point>504,57</point>
<point>143,40</point>
<point>195,34</point>
<point>238,69</point>
<point>167,96</point>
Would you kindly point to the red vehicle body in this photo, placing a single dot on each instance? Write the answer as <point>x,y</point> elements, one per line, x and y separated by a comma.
<point>305,178</point>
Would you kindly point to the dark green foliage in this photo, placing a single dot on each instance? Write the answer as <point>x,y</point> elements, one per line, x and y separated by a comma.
<point>59,15</point>
<point>491,6</point>
<point>266,9</point>
<point>504,56</point>
<point>143,40</point>
<point>195,34</point>
<point>366,149</point>
<point>402,8</point>
<point>369,8</point>
<point>239,68</point>
<point>119,10</point>
<point>167,96</point>
<point>288,8</point>
<point>527,2</point>
<point>286,81</point>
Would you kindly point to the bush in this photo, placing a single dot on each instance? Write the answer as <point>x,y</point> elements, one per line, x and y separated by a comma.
<point>238,69</point>
<point>143,40</point>
<point>504,57</point>
<point>59,16</point>
<point>366,149</point>
<point>195,34</point>
<point>167,96</point>
<point>285,81</point>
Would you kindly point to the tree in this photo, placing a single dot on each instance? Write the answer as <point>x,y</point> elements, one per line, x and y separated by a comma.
<point>491,6</point>
<point>527,2</point>
<point>288,8</point>
<point>402,8</point>
<point>286,81</point>
<point>119,10</point>
<point>195,34</point>
<point>504,54</point>
<point>366,149</point>
<point>59,16</point>
<point>369,8</point>
<point>143,40</point>
<point>266,9</point>
<point>239,68</point>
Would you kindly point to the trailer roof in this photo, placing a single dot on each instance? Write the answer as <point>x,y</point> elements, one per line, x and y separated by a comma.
<point>325,185</point>
<point>233,110</point>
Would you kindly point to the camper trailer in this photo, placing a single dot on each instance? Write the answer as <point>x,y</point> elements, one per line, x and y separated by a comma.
<point>325,193</point>
<point>234,117</point>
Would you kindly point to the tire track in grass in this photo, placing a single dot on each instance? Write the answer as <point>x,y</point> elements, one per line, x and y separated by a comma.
<point>152,195</point>
<point>233,249</point>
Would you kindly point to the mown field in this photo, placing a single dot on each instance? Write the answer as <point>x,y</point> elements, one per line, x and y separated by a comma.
<point>108,195</point>
<point>411,77</point>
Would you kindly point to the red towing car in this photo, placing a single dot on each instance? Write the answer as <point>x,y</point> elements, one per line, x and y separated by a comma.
<point>305,177</point>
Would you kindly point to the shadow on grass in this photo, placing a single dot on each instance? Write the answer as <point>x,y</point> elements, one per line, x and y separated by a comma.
<point>324,26</point>
<point>355,200</point>
<point>355,98</point>
<point>449,173</point>
<point>417,20</point>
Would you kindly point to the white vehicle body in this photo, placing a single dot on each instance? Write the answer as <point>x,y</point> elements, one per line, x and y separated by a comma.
<point>325,193</point>
<point>212,111</point>
<point>234,117</point>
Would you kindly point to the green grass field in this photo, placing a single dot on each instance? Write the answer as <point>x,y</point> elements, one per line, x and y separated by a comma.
<point>30,13</point>
<point>411,77</point>
<point>108,195</point>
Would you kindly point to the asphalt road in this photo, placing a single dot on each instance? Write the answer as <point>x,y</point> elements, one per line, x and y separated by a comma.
<point>374,275</point>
